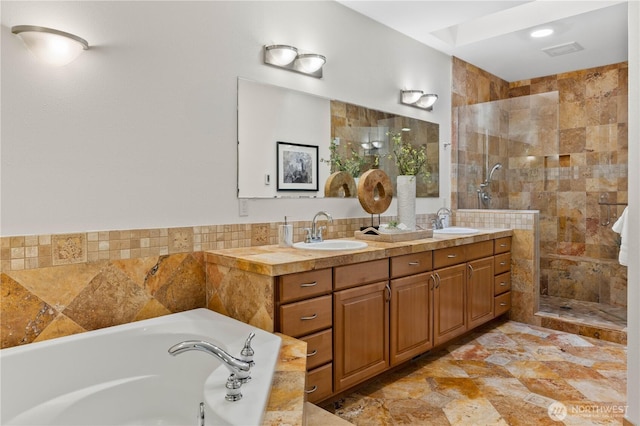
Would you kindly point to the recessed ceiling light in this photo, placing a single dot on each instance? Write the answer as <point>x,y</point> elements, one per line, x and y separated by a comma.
<point>542,32</point>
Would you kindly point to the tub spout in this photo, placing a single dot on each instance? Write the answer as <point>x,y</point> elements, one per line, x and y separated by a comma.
<point>236,366</point>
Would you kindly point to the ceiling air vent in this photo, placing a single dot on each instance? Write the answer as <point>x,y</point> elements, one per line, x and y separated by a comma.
<point>563,49</point>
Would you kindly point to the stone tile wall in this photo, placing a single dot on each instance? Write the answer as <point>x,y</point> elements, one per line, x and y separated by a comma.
<point>57,285</point>
<point>579,254</point>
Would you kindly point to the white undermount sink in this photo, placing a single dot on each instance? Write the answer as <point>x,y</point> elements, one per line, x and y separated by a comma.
<point>332,245</point>
<point>454,230</point>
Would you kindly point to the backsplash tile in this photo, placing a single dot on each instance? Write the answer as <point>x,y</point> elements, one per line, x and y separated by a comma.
<point>56,285</point>
<point>68,248</point>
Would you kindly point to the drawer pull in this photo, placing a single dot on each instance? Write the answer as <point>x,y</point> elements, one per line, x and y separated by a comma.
<point>414,263</point>
<point>315,352</point>
<point>452,256</point>
<point>503,283</point>
<point>312,390</point>
<point>503,304</point>
<point>503,245</point>
<point>314,316</point>
<point>503,263</point>
<point>309,284</point>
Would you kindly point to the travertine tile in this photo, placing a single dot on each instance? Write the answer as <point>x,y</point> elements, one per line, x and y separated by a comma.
<point>538,368</point>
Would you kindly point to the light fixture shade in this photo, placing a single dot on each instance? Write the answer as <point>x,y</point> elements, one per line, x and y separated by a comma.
<point>418,99</point>
<point>411,96</point>
<point>280,54</point>
<point>427,101</point>
<point>51,46</point>
<point>310,62</point>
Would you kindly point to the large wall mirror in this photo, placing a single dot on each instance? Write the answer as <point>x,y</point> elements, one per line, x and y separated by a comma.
<point>279,130</point>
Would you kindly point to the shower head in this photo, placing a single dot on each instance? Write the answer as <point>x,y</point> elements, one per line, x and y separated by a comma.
<point>497,166</point>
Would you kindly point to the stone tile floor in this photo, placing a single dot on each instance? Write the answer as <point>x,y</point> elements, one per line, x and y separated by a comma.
<point>504,373</point>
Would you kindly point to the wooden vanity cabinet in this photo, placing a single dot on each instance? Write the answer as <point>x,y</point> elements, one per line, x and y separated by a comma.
<point>411,311</point>
<point>502,280</point>
<point>361,322</point>
<point>480,283</point>
<point>361,319</point>
<point>449,303</point>
<point>305,311</point>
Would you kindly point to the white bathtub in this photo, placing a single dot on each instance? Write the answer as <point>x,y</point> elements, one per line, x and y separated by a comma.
<point>124,375</point>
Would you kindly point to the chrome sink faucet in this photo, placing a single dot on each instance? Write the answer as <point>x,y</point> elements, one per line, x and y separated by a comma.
<point>443,216</point>
<point>314,234</point>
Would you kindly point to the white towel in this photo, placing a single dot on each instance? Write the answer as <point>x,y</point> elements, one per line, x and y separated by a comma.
<point>621,228</point>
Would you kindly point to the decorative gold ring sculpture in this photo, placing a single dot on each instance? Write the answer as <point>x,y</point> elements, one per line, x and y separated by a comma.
<point>340,184</point>
<point>375,191</point>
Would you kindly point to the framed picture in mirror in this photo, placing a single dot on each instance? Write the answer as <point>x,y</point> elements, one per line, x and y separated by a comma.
<point>297,167</point>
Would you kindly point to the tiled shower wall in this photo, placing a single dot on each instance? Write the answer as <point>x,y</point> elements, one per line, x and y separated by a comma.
<point>578,253</point>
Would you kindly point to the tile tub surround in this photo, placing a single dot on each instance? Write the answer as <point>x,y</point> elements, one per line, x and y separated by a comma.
<point>504,373</point>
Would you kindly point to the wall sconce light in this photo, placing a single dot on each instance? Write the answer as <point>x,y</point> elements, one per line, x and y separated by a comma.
<point>51,46</point>
<point>418,99</point>
<point>287,57</point>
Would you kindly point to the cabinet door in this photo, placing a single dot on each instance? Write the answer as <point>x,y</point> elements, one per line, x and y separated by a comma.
<point>449,318</point>
<point>361,330</point>
<point>411,324</point>
<point>480,293</point>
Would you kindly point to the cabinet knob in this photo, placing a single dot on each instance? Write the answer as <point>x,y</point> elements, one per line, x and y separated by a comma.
<point>309,284</point>
<point>314,316</point>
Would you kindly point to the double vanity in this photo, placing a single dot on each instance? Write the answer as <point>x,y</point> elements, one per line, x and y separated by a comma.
<point>363,308</point>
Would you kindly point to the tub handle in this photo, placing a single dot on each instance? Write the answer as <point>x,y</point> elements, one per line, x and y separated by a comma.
<point>201,415</point>
<point>312,390</point>
<point>314,316</point>
<point>313,284</point>
<point>310,354</point>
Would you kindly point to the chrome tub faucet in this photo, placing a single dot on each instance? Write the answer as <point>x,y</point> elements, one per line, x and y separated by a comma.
<point>240,369</point>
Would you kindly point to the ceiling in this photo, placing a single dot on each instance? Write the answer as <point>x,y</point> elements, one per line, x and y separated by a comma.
<point>494,35</point>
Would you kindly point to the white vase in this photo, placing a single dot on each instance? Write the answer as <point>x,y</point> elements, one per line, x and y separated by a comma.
<point>406,186</point>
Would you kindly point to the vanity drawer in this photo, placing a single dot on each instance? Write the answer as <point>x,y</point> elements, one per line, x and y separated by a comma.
<point>360,273</point>
<point>448,256</point>
<point>308,316</point>
<point>479,250</point>
<point>502,245</point>
<point>502,283</point>
<point>502,303</point>
<point>319,383</point>
<point>319,348</point>
<point>410,264</point>
<point>502,263</point>
<point>305,285</point>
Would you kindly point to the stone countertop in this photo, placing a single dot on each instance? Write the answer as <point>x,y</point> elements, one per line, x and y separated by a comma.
<point>273,260</point>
